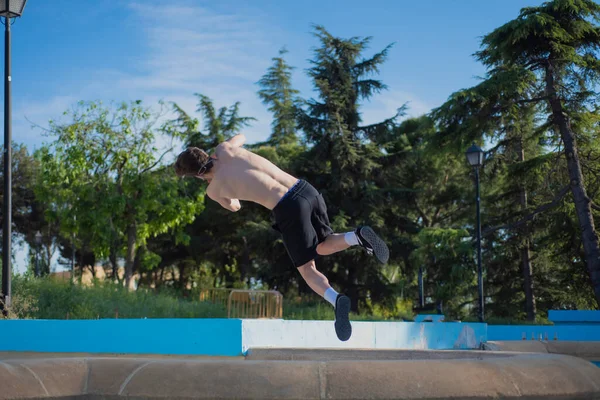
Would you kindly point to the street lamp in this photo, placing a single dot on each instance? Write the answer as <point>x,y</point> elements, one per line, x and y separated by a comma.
<point>475,158</point>
<point>38,242</point>
<point>8,9</point>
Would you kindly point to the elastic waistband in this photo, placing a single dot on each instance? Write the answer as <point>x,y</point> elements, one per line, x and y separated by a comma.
<point>295,187</point>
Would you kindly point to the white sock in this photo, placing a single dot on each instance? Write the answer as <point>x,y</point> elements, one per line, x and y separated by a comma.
<point>331,296</point>
<point>351,239</point>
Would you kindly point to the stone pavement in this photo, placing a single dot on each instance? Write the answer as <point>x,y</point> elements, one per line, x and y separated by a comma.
<point>301,374</point>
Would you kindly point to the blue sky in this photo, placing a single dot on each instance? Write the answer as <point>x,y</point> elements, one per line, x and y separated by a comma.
<point>70,50</point>
<point>64,51</point>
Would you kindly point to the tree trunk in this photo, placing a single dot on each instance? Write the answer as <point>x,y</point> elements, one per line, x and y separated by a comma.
<point>130,259</point>
<point>182,281</point>
<point>527,268</point>
<point>245,265</point>
<point>583,209</point>
<point>112,252</point>
<point>45,265</point>
<point>112,256</point>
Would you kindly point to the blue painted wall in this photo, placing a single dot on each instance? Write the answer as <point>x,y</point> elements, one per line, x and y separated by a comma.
<point>549,332</point>
<point>231,337</point>
<point>572,325</point>
<point>225,337</point>
<point>221,337</point>
<point>574,317</point>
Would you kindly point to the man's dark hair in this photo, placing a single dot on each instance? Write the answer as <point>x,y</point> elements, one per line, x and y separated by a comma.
<point>190,162</point>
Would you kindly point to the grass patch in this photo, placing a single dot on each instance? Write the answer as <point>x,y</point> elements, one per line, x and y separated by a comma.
<point>45,298</point>
<point>49,299</point>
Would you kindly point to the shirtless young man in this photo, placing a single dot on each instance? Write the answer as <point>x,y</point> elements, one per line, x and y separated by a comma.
<point>235,174</point>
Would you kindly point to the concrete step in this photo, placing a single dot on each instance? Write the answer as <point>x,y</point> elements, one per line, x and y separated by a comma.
<point>517,376</point>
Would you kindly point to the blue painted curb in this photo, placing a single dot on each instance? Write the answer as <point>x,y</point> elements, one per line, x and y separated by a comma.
<point>211,337</point>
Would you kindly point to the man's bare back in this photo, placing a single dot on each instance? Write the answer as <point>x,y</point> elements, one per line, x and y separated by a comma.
<point>238,174</point>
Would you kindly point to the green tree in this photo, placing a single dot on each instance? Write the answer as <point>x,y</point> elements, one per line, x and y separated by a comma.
<point>277,92</point>
<point>556,41</point>
<point>499,110</point>
<point>219,124</point>
<point>27,211</point>
<point>451,273</point>
<point>106,184</point>
<point>430,206</point>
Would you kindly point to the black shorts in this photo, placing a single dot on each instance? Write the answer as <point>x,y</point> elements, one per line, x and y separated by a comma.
<point>301,218</point>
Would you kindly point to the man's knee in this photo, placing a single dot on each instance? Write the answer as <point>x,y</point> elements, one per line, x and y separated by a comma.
<point>320,250</point>
<point>307,268</point>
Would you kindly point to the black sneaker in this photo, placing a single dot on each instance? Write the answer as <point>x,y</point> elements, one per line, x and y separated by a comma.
<point>343,329</point>
<point>369,240</point>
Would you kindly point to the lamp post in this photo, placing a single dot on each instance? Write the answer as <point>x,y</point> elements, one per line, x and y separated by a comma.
<point>475,158</point>
<point>421,289</point>
<point>38,243</point>
<point>8,9</point>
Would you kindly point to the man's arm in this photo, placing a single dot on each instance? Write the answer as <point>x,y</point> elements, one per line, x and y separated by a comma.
<point>227,203</point>
<point>237,140</point>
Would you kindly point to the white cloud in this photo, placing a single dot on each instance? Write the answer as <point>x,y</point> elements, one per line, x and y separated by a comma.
<point>186,49</point>
<point>193,49</point>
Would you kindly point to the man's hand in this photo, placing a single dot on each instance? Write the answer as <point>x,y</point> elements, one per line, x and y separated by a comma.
<point>227,203</point>
<point>230,204</point>
<point>235,203</point>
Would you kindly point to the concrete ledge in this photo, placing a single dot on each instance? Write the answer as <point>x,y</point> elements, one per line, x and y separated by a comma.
<point>228,337</point>
<point>587,350</point>
<point>373,355</point>
<point>372,374</point>
<point>365,335</point>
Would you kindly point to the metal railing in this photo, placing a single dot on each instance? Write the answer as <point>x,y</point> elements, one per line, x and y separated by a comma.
<point>215,295</point>
<point>255,304</point>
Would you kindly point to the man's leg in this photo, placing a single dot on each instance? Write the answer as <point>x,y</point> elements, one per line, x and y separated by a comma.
<point>334,243</point>
<point>341,303</point>
<point>363,236</point>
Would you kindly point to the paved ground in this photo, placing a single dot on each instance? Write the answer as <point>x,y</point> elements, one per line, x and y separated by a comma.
<point>586,350</point>
<point>301,374</point>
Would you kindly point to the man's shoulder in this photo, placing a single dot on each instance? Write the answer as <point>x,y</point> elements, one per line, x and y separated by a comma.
<point>227,150</point>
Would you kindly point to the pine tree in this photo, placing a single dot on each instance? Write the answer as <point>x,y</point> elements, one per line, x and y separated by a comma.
<point>332,125</point>
<point>557,42</point>
<point>492,111</point>
<point>219,125</point>
<point>277,92</point>
<point>343,156</point>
